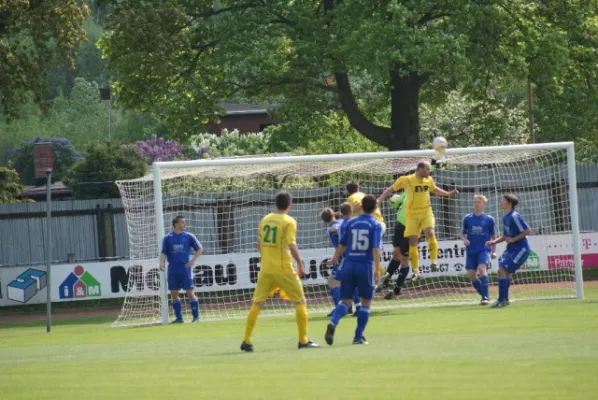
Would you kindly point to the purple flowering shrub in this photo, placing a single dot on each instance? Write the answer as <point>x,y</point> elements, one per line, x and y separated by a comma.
<point>160,149</point>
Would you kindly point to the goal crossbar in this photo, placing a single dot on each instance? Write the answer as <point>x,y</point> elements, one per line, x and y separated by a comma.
<point>225,162</point>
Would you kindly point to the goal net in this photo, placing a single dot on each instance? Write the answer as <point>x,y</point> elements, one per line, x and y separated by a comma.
<point>223,201</point>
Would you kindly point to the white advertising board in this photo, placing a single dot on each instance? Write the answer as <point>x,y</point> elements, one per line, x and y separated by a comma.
<point>104,280</point>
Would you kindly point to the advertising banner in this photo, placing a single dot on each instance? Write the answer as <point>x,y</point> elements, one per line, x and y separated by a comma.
<point>104,280</point>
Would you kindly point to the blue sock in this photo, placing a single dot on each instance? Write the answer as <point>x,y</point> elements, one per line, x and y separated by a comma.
<point>503,288</point>
<point>507,290</point>
<point>477,285</point>
<point>176,306</point>
<point>338,313</point>
<point>194,308</point>
<point>336,295</point>
<point>362,321</point>
<point>485,286</point>
<point>356,301</point>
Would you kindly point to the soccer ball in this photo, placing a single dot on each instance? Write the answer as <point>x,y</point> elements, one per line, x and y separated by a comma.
<point>439,144</point>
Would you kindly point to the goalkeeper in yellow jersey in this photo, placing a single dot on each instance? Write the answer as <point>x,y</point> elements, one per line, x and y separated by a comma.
<point>420,216</point>
<point>355,198</point>
<point>277,244</point>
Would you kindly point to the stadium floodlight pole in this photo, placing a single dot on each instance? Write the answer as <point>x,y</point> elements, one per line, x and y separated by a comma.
<point>572,177</point>
<point>159,236</point>
<point>48,250</point>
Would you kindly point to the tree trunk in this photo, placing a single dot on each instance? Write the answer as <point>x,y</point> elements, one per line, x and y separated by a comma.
<point>404,118</point>
<point>403,133</point>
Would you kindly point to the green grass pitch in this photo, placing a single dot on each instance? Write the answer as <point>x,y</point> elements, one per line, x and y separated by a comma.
<point>530,350</point>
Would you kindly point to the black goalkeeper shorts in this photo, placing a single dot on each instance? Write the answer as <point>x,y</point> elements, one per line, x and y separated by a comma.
<point>399,240</point>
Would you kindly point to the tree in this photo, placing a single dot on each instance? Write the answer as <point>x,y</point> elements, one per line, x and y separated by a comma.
<point>10,186</point>
<point>80,118</point>
<point>385,55</point>
<point>34,35</point>
<point>464,123</point>
<point>93,176</point>
<point>64,154</point>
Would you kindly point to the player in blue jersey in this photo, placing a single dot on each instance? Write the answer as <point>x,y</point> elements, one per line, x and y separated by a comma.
<point>181,249</point>
<point>360,246</point>
<point>334,233</point>
<point>515,233</point>
<point>333,228</point>
<point>479,228</point>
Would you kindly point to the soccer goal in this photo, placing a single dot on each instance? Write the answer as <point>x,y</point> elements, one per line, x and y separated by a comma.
<point>224,199</point>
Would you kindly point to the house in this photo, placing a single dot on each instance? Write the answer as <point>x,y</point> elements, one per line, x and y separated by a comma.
<point>243,117</point>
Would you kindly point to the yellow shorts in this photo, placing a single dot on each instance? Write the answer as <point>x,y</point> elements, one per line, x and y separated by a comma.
<point>289,285</point>
<point>415,224</point>
<point>281,293</point>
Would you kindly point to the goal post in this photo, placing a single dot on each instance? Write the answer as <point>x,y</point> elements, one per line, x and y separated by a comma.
<point>572,177</point>
<point>224,199</point>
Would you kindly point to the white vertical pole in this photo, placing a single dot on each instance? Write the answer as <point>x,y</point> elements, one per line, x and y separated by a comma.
<point>159,236</point>
<point>48,250</point>
<point>576,238</point>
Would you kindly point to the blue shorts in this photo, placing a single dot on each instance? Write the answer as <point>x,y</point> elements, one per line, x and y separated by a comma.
<point>476,258</point>
<point>512,260</point>
<point>180,278</point>
<point>360,276</point>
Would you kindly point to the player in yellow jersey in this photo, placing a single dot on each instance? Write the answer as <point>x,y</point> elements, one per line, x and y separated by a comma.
<point>277,244</point>
<point>420,216</point>
<point>355,198</point>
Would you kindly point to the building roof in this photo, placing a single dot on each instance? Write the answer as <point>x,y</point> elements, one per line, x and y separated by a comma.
<point>57,189</point>
<point>245,109</point>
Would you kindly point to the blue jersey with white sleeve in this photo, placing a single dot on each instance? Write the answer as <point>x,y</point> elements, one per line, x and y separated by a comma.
<point>360,235</point>
<point>178,248</point>
<point>513,225</point>
<point>478,230</point>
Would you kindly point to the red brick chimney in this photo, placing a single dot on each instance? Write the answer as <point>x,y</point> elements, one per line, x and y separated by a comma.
<point>43,159</point>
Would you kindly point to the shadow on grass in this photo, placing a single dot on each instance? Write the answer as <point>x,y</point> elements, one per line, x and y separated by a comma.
<point>374,313</point>
<point>62,322</point>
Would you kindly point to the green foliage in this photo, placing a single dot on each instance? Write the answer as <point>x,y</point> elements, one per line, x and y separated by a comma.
<point>89,64</point>
<point>475,123</point>
<point>81,118</point>
<point>322,133</point>
<point>230,144</point>
<point>64,154</point>
<point>34,35</point>
<point>103,163</point>
<point>10,186</point>
<point>381,54</point>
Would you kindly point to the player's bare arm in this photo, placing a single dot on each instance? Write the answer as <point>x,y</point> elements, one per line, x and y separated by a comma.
<point>340,250</point>
<point>387,192</point>
<point>464,238</point>
<point>517,238</point>
<point>194,258</point>
<point>162,261</point>
<point>444,193</point>
<point>493,247</point>
<point>494,242</point>
<point>297,257</point>
<point>376,253</point>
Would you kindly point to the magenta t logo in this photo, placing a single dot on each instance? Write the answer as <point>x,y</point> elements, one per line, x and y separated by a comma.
<point>586,243</point>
